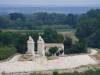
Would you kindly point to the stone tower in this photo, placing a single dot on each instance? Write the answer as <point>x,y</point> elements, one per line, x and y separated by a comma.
<point>40,46</point>
<point>30,46</point>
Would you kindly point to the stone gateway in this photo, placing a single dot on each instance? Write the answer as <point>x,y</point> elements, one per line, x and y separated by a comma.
<point>42,47</point>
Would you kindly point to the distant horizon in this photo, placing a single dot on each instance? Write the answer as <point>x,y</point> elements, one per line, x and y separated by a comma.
<point>35,9</point>
<point>50,3</point>
<point>46,6</point>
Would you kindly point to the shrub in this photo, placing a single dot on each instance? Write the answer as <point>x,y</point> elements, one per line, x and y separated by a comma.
<point>6,52</point>
<point>55,73</point>
<point>53,50</point>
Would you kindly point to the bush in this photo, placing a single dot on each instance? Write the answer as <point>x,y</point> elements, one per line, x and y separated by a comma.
<point>55,73</point>
<point>53,50</point>
<point>6,52</point>
<point>78,47</point>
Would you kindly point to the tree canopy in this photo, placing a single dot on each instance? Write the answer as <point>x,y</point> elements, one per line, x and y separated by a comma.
<point>88,28</point>
<point>51,36</point>
<point>36,20</point>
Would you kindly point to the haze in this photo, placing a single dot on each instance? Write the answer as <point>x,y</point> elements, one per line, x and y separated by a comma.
<point>18,3</point>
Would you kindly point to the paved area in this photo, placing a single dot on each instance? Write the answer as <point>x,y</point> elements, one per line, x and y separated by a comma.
<point>61,63</point>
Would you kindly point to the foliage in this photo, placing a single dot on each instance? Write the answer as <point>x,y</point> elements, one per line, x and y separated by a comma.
<point>67,43</point>
<point>53,50</point>
<point>34,21</point>
<point>77,47</point>
<point>17,40</point>
<point>89,27</point>
<point>6,52</point>
<point>51,36</point>
<point>8,38</point>
<point>15,16</point>
<point>55,73</point>
<point>90,72</point>
<point>4,23</point>
<point>21,44</point>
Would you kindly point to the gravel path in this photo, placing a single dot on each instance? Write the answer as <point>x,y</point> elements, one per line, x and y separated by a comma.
<point>61,63</point>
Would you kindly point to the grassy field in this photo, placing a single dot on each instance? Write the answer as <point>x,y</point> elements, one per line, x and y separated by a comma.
<point>39,28</point>
<point>23,31</point>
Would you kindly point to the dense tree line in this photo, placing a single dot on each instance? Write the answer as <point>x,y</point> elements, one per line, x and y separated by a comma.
<point>88,29</point>
<point>34,21</point>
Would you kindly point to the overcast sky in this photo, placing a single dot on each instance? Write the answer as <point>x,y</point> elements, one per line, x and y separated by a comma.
<point>50,2</point>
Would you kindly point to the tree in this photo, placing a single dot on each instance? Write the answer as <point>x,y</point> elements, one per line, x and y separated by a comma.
<point>72,20</point>
<point>18,23</point>
<point>67,43</point>
<point>15,16</point>
<point>88,28</point>
<point>51,36</point>
<point>93,41</point>
<point>21,44</point>
<point>17,40</point>
<point>79,47</point>
<point>34,21</point>
<point>53,50</point>
<point>6,52</point>
<point>4,23</point>
<point>8,38</point>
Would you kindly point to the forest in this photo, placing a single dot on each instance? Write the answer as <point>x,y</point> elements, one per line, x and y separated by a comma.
<point>36,20</point>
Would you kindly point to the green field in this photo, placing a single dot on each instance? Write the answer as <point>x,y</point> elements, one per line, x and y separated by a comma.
<point>59,28</point>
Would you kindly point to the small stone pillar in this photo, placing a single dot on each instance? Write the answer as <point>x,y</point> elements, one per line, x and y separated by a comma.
<point>41,45</point>
<point>30,46</point>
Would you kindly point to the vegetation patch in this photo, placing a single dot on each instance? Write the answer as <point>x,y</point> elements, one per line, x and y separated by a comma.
<point>6,52</point>
<point>90,72</point>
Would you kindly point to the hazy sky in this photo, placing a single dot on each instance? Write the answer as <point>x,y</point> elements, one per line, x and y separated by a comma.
<point>50,2</point>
